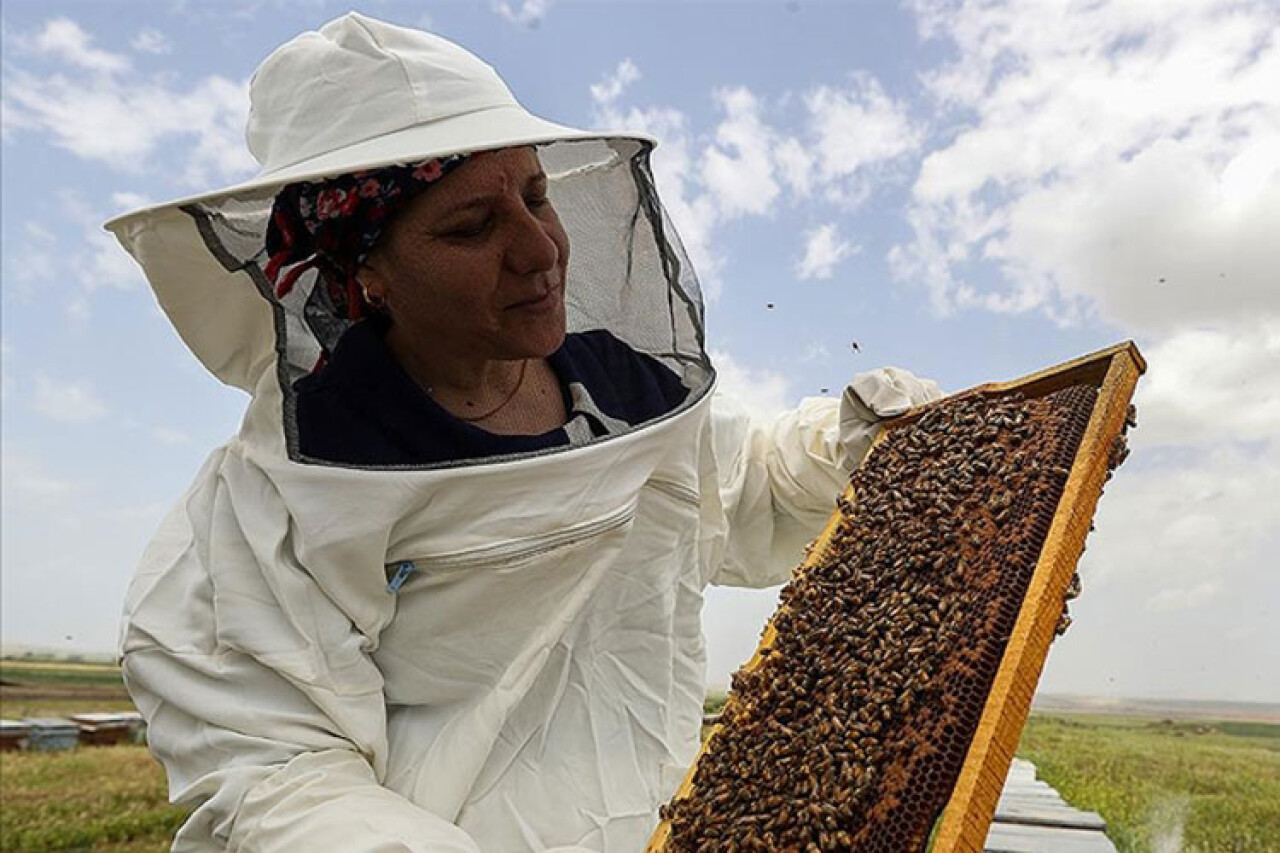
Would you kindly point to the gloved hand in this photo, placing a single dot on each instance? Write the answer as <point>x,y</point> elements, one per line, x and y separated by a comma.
<point>872,397</point>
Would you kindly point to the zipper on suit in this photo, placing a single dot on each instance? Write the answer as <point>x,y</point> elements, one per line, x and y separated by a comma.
<point>399,572</point>
<point>403,570</point>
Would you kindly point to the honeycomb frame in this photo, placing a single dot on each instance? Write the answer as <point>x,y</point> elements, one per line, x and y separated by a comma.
<point>967,815</point>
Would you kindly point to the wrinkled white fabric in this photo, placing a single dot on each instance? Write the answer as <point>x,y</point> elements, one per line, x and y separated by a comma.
<point>537,684</point>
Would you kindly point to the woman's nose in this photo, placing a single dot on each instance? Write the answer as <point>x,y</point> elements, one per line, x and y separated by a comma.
<point>531,248</point>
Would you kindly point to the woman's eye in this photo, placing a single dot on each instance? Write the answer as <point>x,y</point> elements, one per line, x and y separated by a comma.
<point>537,201</point>
<point>468,229</point>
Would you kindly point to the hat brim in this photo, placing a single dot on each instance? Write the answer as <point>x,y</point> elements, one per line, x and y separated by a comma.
<point>231,329</point>
<point>484,130</point>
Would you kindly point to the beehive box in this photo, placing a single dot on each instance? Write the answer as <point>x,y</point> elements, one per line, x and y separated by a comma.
<point>106,729</point>
<point>51,734</point>
<point>13,735</point>
<point>892,685</point>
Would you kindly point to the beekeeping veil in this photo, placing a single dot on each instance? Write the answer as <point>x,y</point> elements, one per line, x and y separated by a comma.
<point>362,94</point>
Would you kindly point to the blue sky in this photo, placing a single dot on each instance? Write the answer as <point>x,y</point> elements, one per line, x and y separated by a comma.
<point>971,193</point>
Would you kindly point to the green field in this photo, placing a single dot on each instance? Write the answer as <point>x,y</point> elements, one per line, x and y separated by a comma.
<point>95,798</point>
<point>74,673</point>
<point>1163,787</point>
<point>41,688</point>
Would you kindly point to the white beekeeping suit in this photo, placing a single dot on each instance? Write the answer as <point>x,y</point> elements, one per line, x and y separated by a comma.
<point>499,655</point>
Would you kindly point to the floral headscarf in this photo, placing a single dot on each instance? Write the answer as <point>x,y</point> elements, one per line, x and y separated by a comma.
<point>332,225</point>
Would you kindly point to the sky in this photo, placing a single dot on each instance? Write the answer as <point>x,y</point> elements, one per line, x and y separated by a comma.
<point>971,191</point>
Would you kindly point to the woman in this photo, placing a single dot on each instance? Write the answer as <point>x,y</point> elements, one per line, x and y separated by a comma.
<point>466,285</point>
<point>442,591</point>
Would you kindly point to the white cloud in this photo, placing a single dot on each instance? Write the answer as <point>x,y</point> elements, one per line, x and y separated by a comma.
<point>121,201</point>
<point>732,619</point>
<point>1179,580</point>
<point>1150,243</point>
<point>1102,148</point>
<point>744,166</point>
<point>1182,598</point>
<point>84,533</point>
<point>32,265</point>
<point>737,167</point>
<point>63,39</point>
<point>824,248</point>
<point>1208,386</point>
<point>169,435</point>
<point>528,13</point>
<point>11,120</point>
<point>856,128</point>
<point>103,263</point>
<point>38,233</point>
<point>98,107</point>
<point>24,478</point>
<point>67,401</point>
<point>815,351</point>
<point>6,369</point>
<point>78,310</point>
<point>94,260</point>
<point>795,165</point>
<point>151,513</point>
<point>162,434</point>
<point>612,87</point>
<point>150,40</point>
<point>32,260</point>
<point>762,393</point>
<point>220,108</point>
<point>1182,521</point>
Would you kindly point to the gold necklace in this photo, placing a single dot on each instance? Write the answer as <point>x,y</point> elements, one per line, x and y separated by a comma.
<point>519,382</point>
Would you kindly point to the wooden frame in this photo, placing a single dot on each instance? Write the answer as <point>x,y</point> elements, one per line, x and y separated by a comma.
<point>969,812</point>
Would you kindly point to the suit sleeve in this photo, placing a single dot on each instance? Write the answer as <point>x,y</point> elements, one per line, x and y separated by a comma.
<point>261,702</point>
<point>778,481</point>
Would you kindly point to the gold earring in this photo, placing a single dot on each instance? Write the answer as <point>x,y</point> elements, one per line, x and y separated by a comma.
<point>375,301</point>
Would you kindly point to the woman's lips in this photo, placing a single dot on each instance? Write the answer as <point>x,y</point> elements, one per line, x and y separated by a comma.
<point>546,302</point>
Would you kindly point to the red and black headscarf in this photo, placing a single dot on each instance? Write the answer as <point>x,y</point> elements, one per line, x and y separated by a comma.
<point>332,225</point>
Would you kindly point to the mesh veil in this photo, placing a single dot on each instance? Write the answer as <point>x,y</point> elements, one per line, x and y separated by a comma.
<point>627,271</point>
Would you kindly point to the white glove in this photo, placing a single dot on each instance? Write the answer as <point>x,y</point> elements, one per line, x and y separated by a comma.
<point>872,397</point>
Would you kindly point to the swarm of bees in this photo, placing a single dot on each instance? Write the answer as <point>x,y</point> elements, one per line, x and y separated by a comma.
<point>851,730</point>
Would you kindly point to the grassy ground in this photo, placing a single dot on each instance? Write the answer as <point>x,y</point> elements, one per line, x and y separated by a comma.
<point>1163,787</point>
<point>90,799</point>
<point>1166,787</point>
<point>99,799</point>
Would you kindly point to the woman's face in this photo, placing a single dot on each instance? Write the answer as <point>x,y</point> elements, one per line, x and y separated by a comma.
<point>476,264</point>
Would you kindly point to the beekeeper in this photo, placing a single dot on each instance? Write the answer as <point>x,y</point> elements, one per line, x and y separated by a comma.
<point>442,591</point>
